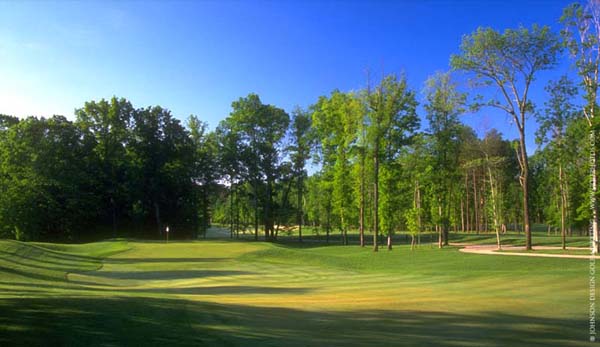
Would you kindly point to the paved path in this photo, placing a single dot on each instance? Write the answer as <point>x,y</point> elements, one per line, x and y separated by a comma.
<point>491,249</point>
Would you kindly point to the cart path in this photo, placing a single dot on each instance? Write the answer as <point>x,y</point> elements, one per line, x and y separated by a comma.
<point>492,250</point>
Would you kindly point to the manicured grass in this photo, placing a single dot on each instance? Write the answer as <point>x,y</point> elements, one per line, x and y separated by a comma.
<point>242,293</point>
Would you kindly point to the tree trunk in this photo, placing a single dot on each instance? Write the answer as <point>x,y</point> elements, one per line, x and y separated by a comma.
<point>483,208</point>
<point>418,206</point>
<point>361,215</point>
<point>563,203</point>
<point>439,227</point>
<point>594,191</point>
<point>343,224</point>
<point>268,214</point>
<point>525,187</point>
<point>494,207</point>
<point>389,242</point>
<point>346,236</point>
<point>255,198</point>
<point>231,212</point>
<point>568,208</point>
<point>237,214</point>
<point>462,215</point>
<point>376,196</point>
<point>328,226</point>
<point>446,219</point>
<point>475,203</point>
<point>300,213</point>
<point>467,202</point>
<point>283,209</point>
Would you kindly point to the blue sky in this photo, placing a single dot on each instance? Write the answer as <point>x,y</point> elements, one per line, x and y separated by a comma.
<point>197,57</point>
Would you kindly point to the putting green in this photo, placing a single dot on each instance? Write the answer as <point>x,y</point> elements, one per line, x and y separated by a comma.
<point>253,293</point>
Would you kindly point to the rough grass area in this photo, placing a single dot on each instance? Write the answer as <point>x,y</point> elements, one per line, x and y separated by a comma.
<point>246,293</point>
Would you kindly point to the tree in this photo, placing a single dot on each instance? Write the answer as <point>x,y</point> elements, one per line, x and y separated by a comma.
<point>300,154</point>
<point>314,205</point>
<point>578,172</point>
<point>231,168</point>
<point>163,161</point>
<point>392,120</point>
<point>581,35</point>
<point>495,163</point>
<point>553,122</point>
<point>108,122</point>
<point>444,104</point>
<point>205,168</point>
<point>46,180</point>
<point>336,121</point>
<point>417,164</point>
<point>361,149</point>
<point>510,61</point>
<point>261,128</point>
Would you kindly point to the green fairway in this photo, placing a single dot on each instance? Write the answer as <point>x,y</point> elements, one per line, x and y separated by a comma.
<point>247,293</point>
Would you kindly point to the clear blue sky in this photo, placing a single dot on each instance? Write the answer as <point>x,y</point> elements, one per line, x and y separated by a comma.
<point>197,57</point>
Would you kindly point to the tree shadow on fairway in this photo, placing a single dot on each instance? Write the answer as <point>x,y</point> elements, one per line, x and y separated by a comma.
<point>51,258</point>
<point>27,274</point>
<point>223,290</point>
<point>163,260</point>
<point>42,264</point>
<point>77,288</point>
<point>152,322</point>
<point>164,275</point>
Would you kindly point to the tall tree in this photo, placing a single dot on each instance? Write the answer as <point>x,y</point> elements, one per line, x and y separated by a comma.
<point>300,154</point>
<point>231,167</point>
<point>361,150</point>
<point>205,168</point>
<point>495,163</point>
<point>582,37</point>
<point>510,61</point>
<point>444,104</point>
<point>109,122</point>
<point>261,127</point>
<point>392,121</point>
<point>162,153</point>
<point>559,110</point>
<point>336,121</point>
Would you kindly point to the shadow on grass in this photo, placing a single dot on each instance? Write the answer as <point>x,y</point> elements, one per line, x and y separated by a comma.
<point>38,263</point>
<point>165,275</point>
<point>51,258</point>
<point>28,274</point>
<point>154,322</point>
<point>162,260</point>
<point>86,288</point>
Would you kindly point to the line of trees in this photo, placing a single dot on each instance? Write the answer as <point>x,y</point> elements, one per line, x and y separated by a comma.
<point>119,168</point>
<point>115,168</point>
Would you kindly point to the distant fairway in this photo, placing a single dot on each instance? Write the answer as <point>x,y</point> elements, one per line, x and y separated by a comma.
<point>246,293</point>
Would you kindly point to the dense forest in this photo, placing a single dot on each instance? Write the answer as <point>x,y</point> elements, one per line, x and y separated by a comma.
<point>357,161</point>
